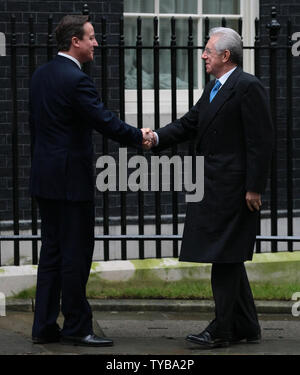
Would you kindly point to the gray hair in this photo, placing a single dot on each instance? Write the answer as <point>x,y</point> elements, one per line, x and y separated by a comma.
<point>228,39</point>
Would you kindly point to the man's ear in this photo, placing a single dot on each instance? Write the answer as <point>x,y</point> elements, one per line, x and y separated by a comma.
<point>226,55</point>
<point>75,41</point>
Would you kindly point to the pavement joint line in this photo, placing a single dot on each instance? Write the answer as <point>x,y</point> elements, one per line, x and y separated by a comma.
<point>262,306</point>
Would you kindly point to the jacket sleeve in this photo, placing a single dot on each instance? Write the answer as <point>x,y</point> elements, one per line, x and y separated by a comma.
<point>87,102</point>
<point>31,124</point>
<point>180,130</point>
<point>258,130</point>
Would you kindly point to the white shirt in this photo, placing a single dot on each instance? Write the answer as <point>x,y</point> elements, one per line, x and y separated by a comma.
<point>71,58</point>
<point>225,76</point>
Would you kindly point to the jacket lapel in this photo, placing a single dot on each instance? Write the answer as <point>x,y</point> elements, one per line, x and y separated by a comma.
<point>205,102</point>
<point>224,94</point>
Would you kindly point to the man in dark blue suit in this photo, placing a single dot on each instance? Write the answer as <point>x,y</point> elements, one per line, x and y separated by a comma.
<point>64,109</point>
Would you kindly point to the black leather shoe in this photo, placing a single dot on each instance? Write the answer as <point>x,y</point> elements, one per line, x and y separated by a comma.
<point>206,340</point>
<point>45,340</point>
<point>89,340</point>
<point>255,339</point>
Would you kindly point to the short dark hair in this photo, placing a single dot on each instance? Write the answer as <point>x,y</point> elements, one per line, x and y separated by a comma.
<point>68,27</point>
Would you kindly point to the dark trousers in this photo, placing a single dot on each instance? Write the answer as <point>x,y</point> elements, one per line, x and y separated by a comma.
<point>234,305</point>
<point>67,230</point>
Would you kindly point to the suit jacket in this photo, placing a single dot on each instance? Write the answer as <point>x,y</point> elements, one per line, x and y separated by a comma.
<point>234,133</point>
<point>64,109</point>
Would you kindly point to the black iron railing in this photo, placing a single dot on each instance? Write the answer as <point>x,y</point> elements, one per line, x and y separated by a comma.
<point>272,49</point>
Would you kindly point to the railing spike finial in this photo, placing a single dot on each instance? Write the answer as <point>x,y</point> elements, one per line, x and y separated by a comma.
<point>274,26</point>
<point>86,11</point>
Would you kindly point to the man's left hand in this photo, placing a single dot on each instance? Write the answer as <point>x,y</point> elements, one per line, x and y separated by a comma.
<point>253,200</point>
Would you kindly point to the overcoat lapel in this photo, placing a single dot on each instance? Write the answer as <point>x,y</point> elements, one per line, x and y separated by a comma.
<point>223,95</point>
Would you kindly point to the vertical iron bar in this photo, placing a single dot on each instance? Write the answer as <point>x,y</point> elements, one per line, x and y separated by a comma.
<point>274,206</point>
<point>139,72</point>
<point>173,69</point>
<point>34,226</point>
<point>156,126</point>
<point>122,69</point>
<point>50,38</point>
<point>273,32</point>
<point>206,37</point>
<point>289,134</point>
<point>105,140</point>
<point>240,32</point>
<point>174,116</point>
<point>224,22</point>
<point>240,27</point>
<point>191,88</point>
<point>86,67</point>
<point>257,49</point>
<point>15,145</point>
<point>104,61</point>
<point>122,117</point>
<point>257,73</point>
<point>85,10</point>
<point>191,63</point>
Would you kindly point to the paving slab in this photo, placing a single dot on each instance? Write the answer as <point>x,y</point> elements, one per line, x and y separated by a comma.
<point>151,333</point>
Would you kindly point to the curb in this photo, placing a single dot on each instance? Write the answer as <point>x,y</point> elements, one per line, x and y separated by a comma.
<point>277,267</point>
<point>201,306</point>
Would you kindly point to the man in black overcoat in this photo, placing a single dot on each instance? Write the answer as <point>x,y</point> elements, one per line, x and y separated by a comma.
<point>231,125</point>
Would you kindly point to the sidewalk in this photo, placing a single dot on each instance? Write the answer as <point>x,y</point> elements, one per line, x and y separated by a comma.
<point>153,327</point>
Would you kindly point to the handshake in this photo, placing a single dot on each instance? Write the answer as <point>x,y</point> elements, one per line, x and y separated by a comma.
<point>149,138</point>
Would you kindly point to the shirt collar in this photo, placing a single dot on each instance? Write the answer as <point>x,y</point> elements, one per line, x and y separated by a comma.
<point>71,58</point>
<point>225,76</point>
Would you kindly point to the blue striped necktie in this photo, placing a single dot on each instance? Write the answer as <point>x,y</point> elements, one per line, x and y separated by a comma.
<point>214,90</point>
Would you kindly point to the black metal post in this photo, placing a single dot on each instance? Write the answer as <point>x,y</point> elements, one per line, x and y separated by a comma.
<point>139,72</point>
<point>289,133</point>
<point>174,117</point>
<point>191,63</point>
<point>122,117</point>
<point>240,32</point>
<point>257,73</point>
<point>50,38</point>
<point>34,226</point>
<point>206,37</point>
<point>105,140</point>
<point>86,66</point>
<point>257,49</point>
<point>156,126</point>
<point>191,88</point>
<point>15,141</point>
<point>240,27</point>
<point>274,28</point>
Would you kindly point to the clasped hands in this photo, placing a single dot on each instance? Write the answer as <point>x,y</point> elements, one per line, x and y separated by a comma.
<point>149,138</point>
